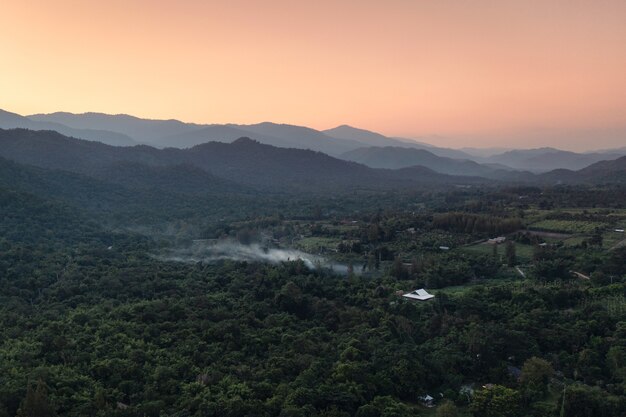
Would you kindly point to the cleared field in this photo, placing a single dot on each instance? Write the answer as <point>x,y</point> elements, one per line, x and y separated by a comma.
<point>317,244</point>
<point>611,238</point>
<point>523,252</point>
<point>568,226</point>
<point>573,241</point>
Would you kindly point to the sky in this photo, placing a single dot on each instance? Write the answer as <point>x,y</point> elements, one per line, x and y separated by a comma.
<point>464,73</point>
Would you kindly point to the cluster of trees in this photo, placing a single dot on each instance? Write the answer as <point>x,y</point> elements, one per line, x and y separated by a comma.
<point>476,223</point>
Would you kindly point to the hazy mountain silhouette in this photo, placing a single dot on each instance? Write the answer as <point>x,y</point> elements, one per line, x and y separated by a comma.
<point>243,161</point>
<point>281,135</point>
<point>142,130</point>
<point>303,137</point>
<point>10,120</point>
<point>376,139</point>
<point>174,133</point>
<point>546,159</point>
<point>363,136</point>
<point>211,133</point>
<point>611,171</point>
<point>393,157</point>
<point>124,129</point>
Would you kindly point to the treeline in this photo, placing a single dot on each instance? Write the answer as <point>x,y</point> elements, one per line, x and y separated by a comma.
<point>476,223</point>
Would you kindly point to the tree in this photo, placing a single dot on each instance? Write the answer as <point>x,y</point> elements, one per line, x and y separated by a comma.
<point>535,376</point>
<point>36,403</point>
<point>584,401</point>
<point>497,401</point>
<point>398,270</point>
<point>509,253</point>
<point>447,409</point>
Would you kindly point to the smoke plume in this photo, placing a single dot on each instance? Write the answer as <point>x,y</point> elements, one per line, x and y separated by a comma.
<point>209,251</point>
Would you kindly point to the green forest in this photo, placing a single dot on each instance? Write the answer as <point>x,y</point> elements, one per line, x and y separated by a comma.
<point>180,293</point>
<point>95,323</point>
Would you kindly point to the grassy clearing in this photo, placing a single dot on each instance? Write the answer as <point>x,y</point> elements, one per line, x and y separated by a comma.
<point>523,252</point>
<point>573,241</point>
<point>610,239</point>
<point>317,244</point>
<point>569,226</point>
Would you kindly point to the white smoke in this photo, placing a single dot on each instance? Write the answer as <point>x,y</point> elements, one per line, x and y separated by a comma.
<point>209,252</point>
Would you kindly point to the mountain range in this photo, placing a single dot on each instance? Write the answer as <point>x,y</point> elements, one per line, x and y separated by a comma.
<point>10,120</point>
<point>394,157</point>
<point>244,162</point>
<point>346,142</point>
<point>546,159</point>
<point>246,165</point>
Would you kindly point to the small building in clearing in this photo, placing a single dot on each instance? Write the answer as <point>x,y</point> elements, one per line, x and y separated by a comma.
<point>496,240</point>
<point>421,295</point>
<point>427,400</point>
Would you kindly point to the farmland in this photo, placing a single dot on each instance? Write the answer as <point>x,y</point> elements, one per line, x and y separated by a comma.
<point>569,226</point>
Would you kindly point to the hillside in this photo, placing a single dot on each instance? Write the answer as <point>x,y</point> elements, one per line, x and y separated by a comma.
<point>10,120</point>
<point>143,130</point>
<point>603,172</point>
<point>546,159</point>
<point>243,161</point>
<point>392,157</point>
<point>376,139</point>
<point>177,134</point>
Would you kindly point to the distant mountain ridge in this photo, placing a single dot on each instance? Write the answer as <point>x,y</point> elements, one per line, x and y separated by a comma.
<point>126,130</point>
<point>376,139</point>
<point>393,157</point>
<point>246,165</point>
<point>547,159</point>
<point>244,161</point>
<point>611,171</point>
<point>10,120</point>
<point>176,134</point>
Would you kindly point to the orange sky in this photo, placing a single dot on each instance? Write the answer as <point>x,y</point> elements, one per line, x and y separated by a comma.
<point>478,73</point>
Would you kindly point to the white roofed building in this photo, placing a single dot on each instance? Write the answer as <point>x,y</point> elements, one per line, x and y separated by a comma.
<point>421,295</point>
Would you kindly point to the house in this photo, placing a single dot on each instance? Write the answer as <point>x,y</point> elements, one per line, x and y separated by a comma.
<point>444,247</point>
<point>421,295</point>
<point>619,230</point>
<point>427,400</point>
<point>496,240</point>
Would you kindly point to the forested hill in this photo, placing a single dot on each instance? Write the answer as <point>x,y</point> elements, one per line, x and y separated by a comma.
<point>151,195</point>
<point>245,164</point>
<point>394,157</point>
<point>612,171</point>
<point>244,161</point>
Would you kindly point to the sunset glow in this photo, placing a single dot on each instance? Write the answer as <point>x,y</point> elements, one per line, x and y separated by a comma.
<point>474,73</point>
